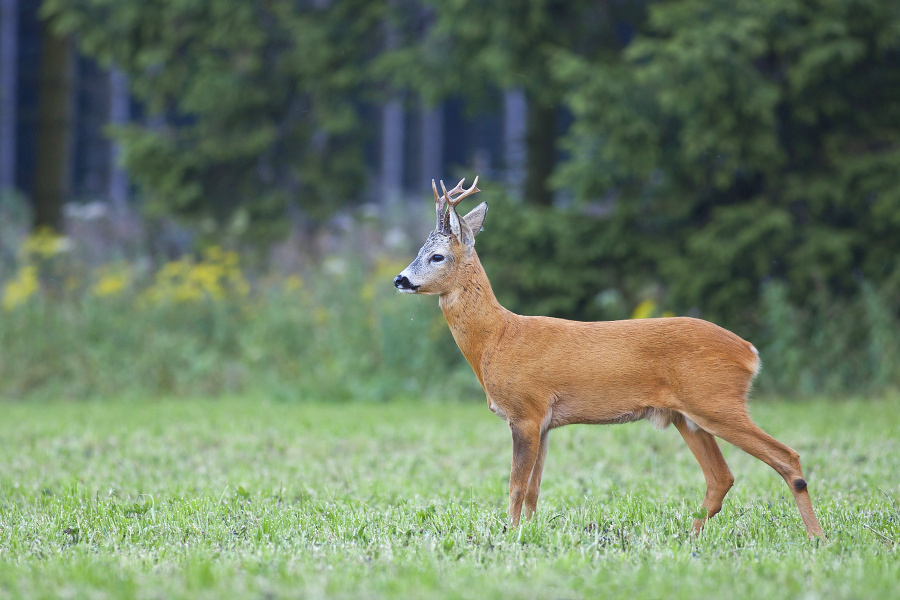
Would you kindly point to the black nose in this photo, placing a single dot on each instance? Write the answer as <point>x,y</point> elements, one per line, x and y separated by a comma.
<point>402,283</point>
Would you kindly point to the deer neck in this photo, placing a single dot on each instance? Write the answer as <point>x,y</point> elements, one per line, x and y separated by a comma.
<point>476,319</point>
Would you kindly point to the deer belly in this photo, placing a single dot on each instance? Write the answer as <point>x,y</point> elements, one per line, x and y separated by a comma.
<point>570,411</point>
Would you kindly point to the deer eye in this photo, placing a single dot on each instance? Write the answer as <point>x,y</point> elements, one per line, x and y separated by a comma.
<point>437,258</point>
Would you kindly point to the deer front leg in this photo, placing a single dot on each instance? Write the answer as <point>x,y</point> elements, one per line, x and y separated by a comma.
<point>534,483</point>
<point>526,439</point>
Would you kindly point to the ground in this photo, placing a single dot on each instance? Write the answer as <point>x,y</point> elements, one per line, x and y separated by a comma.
<point>248,498</point>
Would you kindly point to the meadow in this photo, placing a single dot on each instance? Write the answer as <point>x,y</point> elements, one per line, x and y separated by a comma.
<point>250,497</point>
<point>211,426</point>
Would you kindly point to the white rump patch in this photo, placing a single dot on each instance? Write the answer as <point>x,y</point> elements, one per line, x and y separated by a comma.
<point>758,360</point>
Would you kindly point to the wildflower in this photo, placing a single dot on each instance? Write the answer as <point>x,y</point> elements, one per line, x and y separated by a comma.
<point>19,290</point>
<point>45,243</point>
<point>215,277</point>
<point>111,283</point>
<point>644,310</point>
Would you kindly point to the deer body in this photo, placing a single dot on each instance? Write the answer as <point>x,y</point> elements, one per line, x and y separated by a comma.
<point>540,373</point>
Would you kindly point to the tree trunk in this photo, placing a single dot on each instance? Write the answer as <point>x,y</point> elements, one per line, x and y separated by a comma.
<point>9,77</point>
<point>119,114</point>
<point>54,124</point>
<point>392,134</point>
<point>540,159</point>
<point>432,146</point>
<point>515,119</point>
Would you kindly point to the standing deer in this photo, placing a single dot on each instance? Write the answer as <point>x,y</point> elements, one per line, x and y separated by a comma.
<point>540,373</point>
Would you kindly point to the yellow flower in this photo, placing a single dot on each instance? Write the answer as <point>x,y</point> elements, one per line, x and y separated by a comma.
<point>45,243</point>
<point>206,278</point>
<point>214,277</point>
<point>20,289</point>
<point>111,283</point>
<point>644,309</point>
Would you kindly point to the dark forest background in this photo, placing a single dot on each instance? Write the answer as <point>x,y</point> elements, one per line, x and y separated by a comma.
<point>736,160</point>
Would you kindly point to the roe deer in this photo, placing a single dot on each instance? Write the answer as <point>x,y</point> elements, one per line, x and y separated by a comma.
<point>540,373</point>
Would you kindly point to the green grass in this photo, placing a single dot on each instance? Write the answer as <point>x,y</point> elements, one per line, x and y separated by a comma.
<point>246,498</point>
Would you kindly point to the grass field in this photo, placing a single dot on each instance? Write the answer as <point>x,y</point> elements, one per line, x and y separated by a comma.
<point>250,499</point>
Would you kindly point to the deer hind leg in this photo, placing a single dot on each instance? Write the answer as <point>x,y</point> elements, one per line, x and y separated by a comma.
<point>534,482</point>
<point>715,470</point>
<point>736,427</point>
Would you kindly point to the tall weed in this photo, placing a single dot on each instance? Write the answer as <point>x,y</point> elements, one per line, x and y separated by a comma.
<point>831,346</point>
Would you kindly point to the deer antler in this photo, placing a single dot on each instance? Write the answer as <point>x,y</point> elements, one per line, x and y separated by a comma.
<point>439,204</point>
<point>446,199</point>
<point>459,188</point>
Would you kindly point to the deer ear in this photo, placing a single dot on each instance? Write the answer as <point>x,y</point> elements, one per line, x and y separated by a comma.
<point>475,218</point>
<point>467,227</point>
<point>460,229</point>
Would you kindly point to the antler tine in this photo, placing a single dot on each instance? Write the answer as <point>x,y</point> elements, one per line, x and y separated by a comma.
<point>439,204</point>
<point>459,188</point>
<point>445,222</point>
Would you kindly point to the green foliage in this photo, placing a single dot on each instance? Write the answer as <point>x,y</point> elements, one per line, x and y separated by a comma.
<point>478,47</point>
<point>546,261</point>
<point>263,102</point>
<point>249,498</point>
<point>744,142</point>
<point>195,327</point>
<point>471,49</point>
<point>830,345</point>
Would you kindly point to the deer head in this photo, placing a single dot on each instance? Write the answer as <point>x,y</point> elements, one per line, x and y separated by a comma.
<point>448,247</point>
